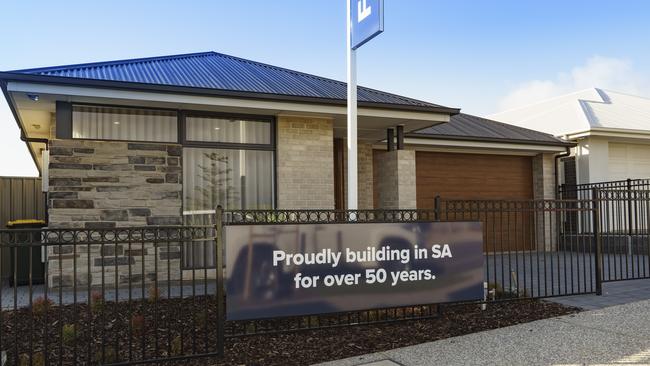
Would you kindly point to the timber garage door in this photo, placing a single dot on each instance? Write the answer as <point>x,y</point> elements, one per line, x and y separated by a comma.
<point>481,177</point>
<point>472,176</point>
<point>628,161</point>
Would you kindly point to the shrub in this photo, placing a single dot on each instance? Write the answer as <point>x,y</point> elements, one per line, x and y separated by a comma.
<point>38,359</point>
<point>154,293</point>
<point>200,320</point>
<point>41,305</point>
<point>495,291</point>
<point>69,334</point>
<point>137,324</point>
<point>108,356</point>
<point>96,301</point>
<point>177,346</point>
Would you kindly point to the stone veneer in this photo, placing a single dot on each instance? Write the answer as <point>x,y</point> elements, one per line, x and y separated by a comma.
<point>396,180</point>
<point>305,163</point>
<point>109,184</point>
<point>101,184</point>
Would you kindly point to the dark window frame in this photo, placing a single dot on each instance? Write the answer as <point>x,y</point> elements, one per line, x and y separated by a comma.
<point>185,143</point>
<point>66,125</point>
<point>271,146</point>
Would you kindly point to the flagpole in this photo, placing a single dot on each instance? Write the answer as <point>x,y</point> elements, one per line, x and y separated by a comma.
<point>352,115</point>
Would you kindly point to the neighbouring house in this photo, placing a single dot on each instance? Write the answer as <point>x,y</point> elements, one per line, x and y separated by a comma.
<point>164,140</point>
<point>611,131</point>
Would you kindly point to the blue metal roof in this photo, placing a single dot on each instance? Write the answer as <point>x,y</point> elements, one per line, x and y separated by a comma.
<point>216,71</point>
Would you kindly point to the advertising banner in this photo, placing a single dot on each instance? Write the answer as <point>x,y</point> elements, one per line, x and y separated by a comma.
<point>287,270</point>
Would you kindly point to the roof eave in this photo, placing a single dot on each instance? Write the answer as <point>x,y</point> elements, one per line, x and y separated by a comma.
<point>489,139</point>
<point>14,112</point>
<point>9,76</point>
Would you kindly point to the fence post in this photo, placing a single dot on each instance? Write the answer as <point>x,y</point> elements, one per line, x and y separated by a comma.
<point>221,288</point>
<point>436,208</point>
<point>629,207</point>
<point>597,241</point>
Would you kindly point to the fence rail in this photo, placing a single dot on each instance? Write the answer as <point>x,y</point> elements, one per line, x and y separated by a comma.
<point>247,217</point>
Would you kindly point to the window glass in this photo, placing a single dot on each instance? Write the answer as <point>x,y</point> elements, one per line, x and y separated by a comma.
<point>234,179</point>
<point>118,123</point>
<point>210,129</point>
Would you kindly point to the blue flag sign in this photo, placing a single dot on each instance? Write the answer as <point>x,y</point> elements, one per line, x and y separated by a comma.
<point>367,20</point>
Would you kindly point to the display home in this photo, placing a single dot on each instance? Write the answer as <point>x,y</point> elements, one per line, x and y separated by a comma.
<point>164,140</point>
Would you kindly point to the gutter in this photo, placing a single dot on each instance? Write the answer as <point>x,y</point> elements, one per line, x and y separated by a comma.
<point>33,139</point>
<point>490,139</point>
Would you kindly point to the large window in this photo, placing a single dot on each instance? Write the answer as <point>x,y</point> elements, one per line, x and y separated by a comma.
<point>227,162</point>
<point>118,123</point>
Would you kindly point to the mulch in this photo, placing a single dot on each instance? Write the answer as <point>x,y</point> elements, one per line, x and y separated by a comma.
<point>112,332</point>
<point>314,346</point>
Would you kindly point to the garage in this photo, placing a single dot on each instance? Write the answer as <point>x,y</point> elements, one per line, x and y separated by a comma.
<point>473,158</point>
<point>472,176</point>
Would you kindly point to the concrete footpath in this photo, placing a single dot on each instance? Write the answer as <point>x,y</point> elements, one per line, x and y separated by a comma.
<point>617,335</point>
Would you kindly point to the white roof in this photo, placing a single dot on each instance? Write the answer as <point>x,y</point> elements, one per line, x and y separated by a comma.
<point>582,111</point>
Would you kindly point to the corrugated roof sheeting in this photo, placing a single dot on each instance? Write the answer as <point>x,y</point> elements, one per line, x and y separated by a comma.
<point>465,125</point>
<point>213,70</point>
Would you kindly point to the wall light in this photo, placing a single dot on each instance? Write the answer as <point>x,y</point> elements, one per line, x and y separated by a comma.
<point>33,97</point>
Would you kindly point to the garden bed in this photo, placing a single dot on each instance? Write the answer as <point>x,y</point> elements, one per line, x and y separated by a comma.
<point>110,332</point>
<point>314,346</point>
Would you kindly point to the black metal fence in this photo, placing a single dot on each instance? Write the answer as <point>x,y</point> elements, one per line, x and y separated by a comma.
<point>584,191</point>
<point>131,295</point>
<point>624,224</point>
<point>526,252</point>
<point>108,296</point>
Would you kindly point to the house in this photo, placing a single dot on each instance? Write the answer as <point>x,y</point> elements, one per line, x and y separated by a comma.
<point>164,140</point>
<point>611,131</point>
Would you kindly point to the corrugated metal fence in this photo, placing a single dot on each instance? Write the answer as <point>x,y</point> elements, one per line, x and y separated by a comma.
<point>20,198</point>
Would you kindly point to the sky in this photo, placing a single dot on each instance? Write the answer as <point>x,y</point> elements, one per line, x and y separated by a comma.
<point>478,55</point>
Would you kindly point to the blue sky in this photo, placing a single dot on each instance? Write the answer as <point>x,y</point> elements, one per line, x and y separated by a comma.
<point>481,56</point>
